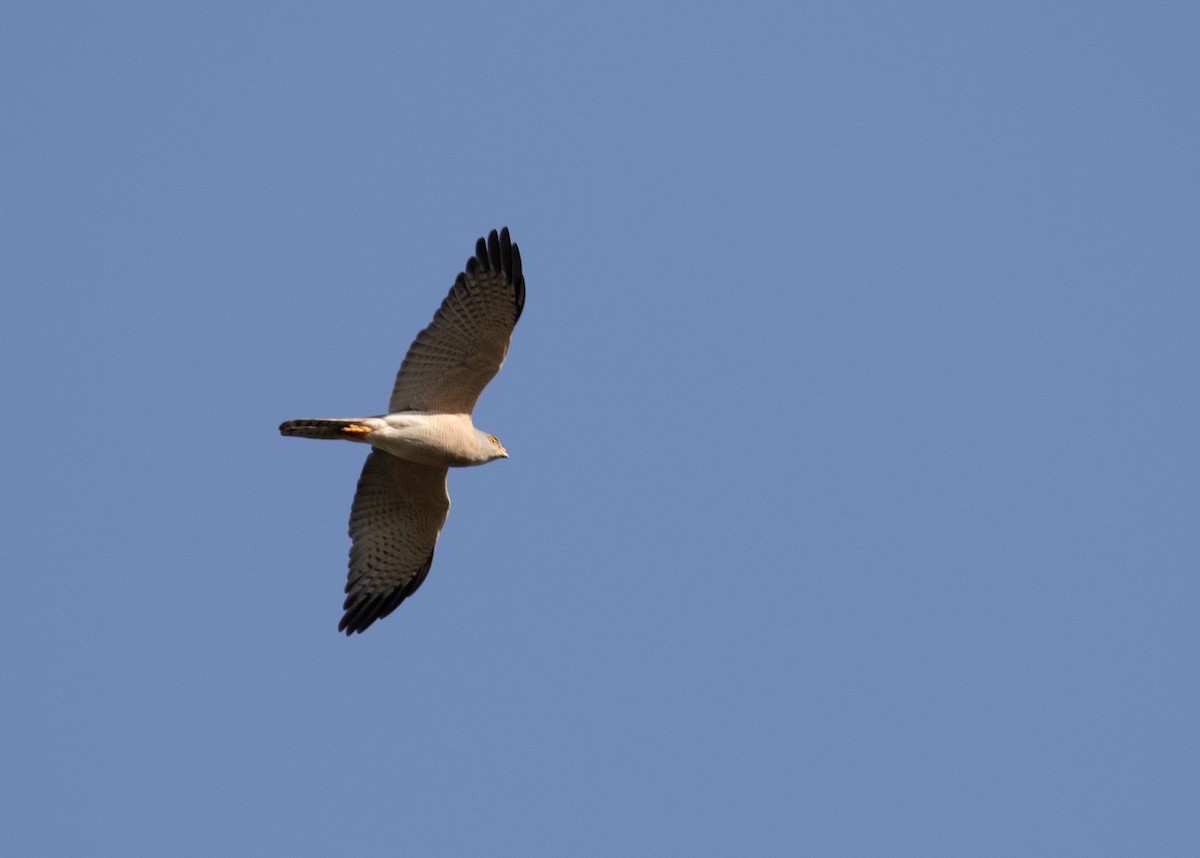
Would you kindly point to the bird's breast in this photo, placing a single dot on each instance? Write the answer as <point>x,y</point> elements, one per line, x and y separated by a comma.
<point>441,440</point>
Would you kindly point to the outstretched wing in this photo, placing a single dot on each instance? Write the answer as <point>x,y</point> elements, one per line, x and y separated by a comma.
<point>453,359</point>
<point>398,512</point>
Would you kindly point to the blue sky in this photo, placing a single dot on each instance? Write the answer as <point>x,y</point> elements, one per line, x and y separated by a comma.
<point>852,506</point>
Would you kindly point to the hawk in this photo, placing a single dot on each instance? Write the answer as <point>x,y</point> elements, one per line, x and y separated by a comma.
<point>401,502</point>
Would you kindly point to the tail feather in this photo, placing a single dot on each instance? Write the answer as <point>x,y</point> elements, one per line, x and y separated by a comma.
<point>325,429</point>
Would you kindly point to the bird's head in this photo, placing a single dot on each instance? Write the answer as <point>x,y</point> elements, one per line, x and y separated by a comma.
<point>492,448</point>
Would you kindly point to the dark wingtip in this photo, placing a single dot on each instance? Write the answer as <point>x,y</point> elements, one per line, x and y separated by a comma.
<point>517,277</point>
<point>506,257</point>
<point>499,253</point>
<point>362,610</point>
<point>495,261</point>
<point>361,613</point>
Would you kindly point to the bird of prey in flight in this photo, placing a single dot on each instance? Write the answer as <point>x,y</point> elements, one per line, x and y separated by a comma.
<point>402,502</point>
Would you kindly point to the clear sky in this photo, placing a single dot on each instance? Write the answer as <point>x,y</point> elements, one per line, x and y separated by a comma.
<point>854,493</point>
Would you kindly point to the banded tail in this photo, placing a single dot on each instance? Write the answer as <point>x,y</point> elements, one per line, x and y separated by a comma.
<point>344,430</point>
